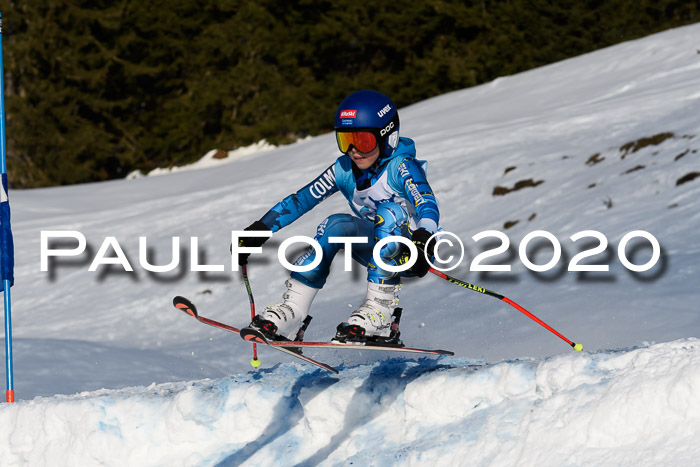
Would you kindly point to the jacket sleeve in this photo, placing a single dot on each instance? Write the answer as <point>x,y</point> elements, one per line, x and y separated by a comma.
<point>296,205</point>
<point>416,189</point>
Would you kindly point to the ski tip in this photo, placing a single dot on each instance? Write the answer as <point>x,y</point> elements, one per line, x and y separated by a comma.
<point>253,336</point>
<point>577,347</point>
<point>186,306</point>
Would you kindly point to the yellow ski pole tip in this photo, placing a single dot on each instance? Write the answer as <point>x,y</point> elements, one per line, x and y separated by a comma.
<point>578,347</point>
<point>255,363</point>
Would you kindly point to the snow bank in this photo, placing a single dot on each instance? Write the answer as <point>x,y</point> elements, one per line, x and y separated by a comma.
<point>214,158</point>
<point>632,407</point>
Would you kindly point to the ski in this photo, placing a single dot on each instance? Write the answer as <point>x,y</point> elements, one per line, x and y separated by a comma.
<point>253,335</point>
<point>368,346</point>
<point>186,306</point>
<point>294,348</point>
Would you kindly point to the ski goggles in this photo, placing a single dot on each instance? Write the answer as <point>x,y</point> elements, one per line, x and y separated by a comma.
<point>364,141</point>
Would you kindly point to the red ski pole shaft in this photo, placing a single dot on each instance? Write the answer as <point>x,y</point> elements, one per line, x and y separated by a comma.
<point>244,269</point>
<point>510,302</point>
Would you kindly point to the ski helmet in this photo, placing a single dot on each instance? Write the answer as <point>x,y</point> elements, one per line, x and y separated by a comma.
<point>367,119</point>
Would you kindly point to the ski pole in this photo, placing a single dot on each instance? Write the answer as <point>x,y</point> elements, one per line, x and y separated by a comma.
<point>255,362</point>
<point>466,285</point>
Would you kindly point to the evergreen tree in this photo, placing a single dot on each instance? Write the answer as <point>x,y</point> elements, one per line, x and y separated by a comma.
<point>96,89</point>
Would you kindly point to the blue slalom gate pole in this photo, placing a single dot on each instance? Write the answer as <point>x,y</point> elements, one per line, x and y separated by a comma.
<point>6,242</point>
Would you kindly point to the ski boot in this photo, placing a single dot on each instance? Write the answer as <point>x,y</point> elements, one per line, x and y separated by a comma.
<point>268,330</point>
<point>371,321</point>
<point>284,320</point>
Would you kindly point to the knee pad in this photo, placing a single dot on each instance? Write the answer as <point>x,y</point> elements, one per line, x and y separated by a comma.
<point>390,216</point>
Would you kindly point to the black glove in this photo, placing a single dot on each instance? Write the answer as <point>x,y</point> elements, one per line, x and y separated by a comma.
<point>420,239</point>
<point>251,242</point>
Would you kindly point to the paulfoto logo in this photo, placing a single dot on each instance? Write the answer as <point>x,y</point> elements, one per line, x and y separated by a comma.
<point>448,252</point>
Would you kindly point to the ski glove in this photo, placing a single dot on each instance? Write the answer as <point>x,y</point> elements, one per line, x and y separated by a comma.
<point>251,242</point>
<point>420,239</point>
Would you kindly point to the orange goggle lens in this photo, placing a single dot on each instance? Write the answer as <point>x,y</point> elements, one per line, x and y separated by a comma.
<point>364,141</point>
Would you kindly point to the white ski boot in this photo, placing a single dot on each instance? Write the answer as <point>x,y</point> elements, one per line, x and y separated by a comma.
<point>283,320</point>
<point>373,319</point>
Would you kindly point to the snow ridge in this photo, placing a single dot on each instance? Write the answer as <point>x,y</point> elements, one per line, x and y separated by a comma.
<point>627,407</point>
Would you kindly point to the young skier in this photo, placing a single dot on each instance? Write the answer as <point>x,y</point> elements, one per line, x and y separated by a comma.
<point>389,195</point>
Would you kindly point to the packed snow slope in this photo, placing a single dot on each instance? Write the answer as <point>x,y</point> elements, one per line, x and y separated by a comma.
<point>607,141</point>
<point>636,407</point>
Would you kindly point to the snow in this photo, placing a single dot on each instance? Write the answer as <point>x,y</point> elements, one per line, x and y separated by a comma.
<point>108,373</point>
<point>213,158</point>
<point>631,407</point>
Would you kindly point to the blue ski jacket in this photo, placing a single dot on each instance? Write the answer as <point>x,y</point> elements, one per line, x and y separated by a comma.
<point>399,178</point>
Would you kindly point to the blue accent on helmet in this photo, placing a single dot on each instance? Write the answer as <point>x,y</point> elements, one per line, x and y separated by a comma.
<point>369,109</point>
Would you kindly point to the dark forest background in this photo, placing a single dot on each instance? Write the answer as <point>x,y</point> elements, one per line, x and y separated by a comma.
<point>96,89</point>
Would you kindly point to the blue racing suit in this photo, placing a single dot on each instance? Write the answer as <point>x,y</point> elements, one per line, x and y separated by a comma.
<point>391,198</point>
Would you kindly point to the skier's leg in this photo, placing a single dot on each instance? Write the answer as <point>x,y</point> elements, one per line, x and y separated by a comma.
<point>336,225</point>
<point>374,316</point>
<point>284,319</point>
<point>391,220</point>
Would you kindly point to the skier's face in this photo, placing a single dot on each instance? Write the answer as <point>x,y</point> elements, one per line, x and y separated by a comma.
<point>364,160</point>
